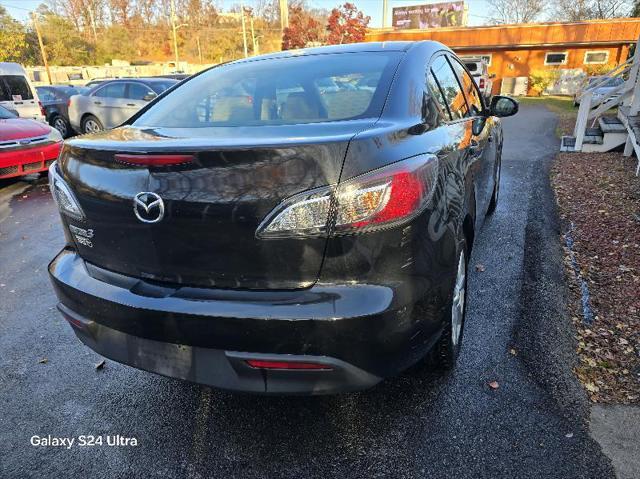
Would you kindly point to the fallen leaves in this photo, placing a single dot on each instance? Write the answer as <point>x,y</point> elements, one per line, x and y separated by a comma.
<point>480,268</point>
<point>494,385</point>
<point>600,195</point>
<point>100,365</point>
<point>43,361</point>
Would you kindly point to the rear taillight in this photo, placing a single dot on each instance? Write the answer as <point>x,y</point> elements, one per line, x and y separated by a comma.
<point>63,196</point>
<point>69,102</point>
<point>42,111</point>
<point>383,198</point>
<point>153,160</point>
<point>481,83</point>
<point>261,364</point>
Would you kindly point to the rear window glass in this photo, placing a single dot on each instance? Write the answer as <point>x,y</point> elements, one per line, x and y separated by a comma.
<point>14,88</point>
<point>303,89</point>
<point>451,92</point>
<point>112,90</point>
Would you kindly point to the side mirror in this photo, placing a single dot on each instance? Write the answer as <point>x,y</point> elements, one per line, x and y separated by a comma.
<point>149,96</point>
<point>503,106</point>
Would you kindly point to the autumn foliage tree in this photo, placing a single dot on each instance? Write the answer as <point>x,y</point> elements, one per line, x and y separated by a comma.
<point>346,24</point>
<point>303,29</point>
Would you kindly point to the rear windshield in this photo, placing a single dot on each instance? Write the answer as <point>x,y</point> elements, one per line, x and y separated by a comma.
<point>303,89</point>
<point>14,88</point>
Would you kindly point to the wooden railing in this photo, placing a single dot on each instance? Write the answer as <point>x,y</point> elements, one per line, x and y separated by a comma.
<point>625,93</point>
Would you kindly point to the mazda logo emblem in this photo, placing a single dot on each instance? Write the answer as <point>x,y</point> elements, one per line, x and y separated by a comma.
<point>148,207</point>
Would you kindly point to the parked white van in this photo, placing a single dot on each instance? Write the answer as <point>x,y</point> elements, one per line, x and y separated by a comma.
<point>17,92</point>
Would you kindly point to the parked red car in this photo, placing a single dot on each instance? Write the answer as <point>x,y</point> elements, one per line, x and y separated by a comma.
<point>26,146</point>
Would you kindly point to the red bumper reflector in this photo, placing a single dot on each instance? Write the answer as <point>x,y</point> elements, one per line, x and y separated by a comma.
<point>260,364</point>
<point>153,160</point>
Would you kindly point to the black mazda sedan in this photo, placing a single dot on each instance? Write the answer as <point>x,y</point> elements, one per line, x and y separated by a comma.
<point>292,223</point>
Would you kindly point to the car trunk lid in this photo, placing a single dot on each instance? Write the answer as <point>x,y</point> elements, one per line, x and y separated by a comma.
<point>212,204</point>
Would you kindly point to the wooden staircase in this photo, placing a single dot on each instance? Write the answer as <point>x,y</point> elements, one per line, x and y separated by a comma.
<point>597,131</point>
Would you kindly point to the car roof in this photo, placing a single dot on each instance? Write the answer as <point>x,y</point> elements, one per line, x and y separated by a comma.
<point>394,46</point>
<point>10,68</point>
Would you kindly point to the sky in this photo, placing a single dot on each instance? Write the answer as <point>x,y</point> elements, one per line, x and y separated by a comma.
<point>477,8</point>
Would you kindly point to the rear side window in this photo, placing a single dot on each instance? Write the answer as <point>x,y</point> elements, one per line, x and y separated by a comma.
<point>112,90</point>
<point>450,90</point>
<point>469,88</point>
<point>297,89</point>
<point>15,88</point>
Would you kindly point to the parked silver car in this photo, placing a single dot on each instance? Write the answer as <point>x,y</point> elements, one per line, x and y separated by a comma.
<point>600,91</point>
<point>113,102</point>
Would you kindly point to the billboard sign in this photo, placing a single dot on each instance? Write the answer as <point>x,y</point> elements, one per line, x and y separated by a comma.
<point>433,15</point>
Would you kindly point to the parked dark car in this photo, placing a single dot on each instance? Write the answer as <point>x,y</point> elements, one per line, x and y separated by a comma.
<point>110,103</point>
<point>55,103</point>
<point>249,232</point>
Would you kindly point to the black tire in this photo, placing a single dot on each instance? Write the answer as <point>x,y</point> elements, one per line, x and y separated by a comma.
<point>90,124</point>
<point>445,352</point>
<point>61,124</point>
<point>493,204</point>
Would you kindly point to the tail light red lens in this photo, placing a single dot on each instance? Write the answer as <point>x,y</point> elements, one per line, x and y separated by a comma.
<point>42,110</point>
<point>383,198</point>
<point>153,160</point>
<point>260,364</point>
<point>481,83</point>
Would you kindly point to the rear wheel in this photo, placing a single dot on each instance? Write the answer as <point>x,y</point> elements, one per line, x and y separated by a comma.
<point>446,350</point>
<point>60,124</point>
<point>90,124</point>
<point>496,189</point>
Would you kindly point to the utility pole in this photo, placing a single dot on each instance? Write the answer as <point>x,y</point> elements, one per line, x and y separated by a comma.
<point>253,37</point>
<point>199,49</point>
<point>284,15</point>
<point>42,52</point>
<point>385,13</point>
<point>93,25</point>
<point>175,37</point>
<point>244,30</point>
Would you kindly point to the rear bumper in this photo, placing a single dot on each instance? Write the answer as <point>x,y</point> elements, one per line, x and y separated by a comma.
<point>28,160</point>
<point>361,332</point>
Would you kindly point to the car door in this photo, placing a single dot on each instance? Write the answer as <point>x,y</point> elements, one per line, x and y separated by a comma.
<point>482,142</point>
<point>138,95</point>
<point>108,103</point>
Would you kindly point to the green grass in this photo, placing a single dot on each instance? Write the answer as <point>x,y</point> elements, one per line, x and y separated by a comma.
<point>557,104</point>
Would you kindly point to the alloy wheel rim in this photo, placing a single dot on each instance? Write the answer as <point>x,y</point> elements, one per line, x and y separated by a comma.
<point>457,308</point>
<point>60,125</point>
<point>91,126</point>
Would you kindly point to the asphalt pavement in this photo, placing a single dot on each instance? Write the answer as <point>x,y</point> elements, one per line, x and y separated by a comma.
<point>421,424</point>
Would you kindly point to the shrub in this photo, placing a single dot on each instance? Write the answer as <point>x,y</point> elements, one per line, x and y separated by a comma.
<point>540,80</point>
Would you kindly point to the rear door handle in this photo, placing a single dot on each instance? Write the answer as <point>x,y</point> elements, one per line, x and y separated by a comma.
<point>97,103</point>
<point>131,104</point>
